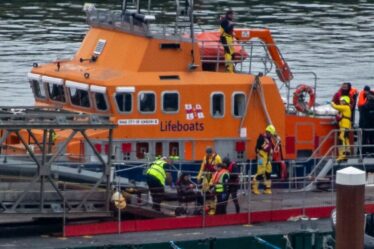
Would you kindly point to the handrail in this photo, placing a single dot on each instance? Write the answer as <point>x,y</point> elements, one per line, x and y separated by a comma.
<point>332,148</point>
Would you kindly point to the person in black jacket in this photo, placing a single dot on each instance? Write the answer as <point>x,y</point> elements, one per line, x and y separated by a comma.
<point>367,122</point>
<point>233,182</point>
<point>187,190</point>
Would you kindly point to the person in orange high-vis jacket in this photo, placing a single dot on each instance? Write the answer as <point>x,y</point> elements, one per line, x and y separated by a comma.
<point>219,183</point>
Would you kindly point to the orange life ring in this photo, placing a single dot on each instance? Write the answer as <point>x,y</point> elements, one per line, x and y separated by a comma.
<point>298,98</point>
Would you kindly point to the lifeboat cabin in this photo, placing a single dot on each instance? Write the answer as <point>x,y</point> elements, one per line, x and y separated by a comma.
<point>167,91</point>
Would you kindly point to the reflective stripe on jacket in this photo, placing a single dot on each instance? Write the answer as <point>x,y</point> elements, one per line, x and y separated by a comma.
<point>218,180</point>
<point>157,170</point>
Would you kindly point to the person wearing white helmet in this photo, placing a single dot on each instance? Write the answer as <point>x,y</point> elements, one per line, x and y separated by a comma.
<point>345,124</point>
<point>264,151</point>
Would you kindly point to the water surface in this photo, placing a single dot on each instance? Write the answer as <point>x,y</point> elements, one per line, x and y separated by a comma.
<point>334,39</point>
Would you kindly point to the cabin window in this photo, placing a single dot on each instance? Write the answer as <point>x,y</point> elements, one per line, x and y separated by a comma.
<point>141,150</point>
<point>147,102</point>
<point>124,102</point>
<point>238,104</point>
<point>170,102</point>
<point>174,149</point>
<point>79,97</point>
<point>217,105</point>
<point>38,87</point>
<point>100,101</point>
<point>56,92</point>
<point>159,149</point>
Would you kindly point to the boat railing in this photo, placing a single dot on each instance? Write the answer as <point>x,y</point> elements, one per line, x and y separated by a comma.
<point>133,22</point>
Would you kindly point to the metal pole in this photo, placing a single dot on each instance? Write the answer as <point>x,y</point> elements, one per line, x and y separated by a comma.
<point>204,206</point>
<point>350,197</point>
<point>42,171</point>
<point>249,189</point>
<point>304,176</point>
<point>64,214</point>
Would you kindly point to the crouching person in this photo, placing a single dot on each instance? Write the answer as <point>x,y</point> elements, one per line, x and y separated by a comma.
<point>156,178</point>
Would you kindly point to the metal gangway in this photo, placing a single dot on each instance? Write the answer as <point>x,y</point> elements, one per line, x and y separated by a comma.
<point>29,184</point>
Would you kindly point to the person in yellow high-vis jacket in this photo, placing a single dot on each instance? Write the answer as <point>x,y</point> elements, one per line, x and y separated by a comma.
<point>345,124</point>
<point>264,151</point>
<point>227,39</point>
<point>156,177</point>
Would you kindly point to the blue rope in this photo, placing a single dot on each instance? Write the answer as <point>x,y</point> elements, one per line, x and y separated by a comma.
<point>173,245</point>
<point>267,244</point>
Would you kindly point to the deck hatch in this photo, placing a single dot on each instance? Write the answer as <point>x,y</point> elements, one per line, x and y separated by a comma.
<point>170,46</point>
<point>100,47</point>
<point>169,77</point>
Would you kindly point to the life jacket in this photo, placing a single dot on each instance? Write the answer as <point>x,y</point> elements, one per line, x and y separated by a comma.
<point>234,177</point>
<point>209,164</point>
<point>217,180</point>
<point>225,24</point>
<point>264,143</point>
<point>157,170</point>
<point>352,96</point>
<point>361,99</point>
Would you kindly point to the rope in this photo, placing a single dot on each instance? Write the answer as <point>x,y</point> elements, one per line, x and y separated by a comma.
<point>173,245</point>
<point>265,243</point>
<point>260,91</point>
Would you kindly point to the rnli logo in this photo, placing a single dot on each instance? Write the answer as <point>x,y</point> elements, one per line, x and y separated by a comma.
<point>194,112</point>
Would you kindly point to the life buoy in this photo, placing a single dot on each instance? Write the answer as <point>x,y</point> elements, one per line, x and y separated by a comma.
<point>298,98</point>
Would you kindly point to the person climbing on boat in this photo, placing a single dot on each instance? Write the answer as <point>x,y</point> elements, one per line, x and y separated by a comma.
<point>227,39</point>
<point>219,183</point>
<point>346,89</point>
<point>233,182</point>
<point>156,178</point>
<point>264,151</point>
<point>345,124</point>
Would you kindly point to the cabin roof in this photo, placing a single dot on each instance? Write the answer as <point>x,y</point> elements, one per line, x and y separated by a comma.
<point>112,78</point>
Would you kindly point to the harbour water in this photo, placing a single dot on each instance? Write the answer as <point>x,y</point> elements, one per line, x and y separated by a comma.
<point>334,39</point>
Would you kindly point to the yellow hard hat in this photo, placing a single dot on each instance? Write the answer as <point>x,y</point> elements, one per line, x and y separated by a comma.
<point>271,129</point>
<point>346,99</point>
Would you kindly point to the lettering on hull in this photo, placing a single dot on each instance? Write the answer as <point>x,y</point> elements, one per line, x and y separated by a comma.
<point>138,122</point>
<point>170,126</point>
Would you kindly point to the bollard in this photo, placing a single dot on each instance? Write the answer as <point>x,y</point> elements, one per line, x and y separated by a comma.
<point>350,192</point>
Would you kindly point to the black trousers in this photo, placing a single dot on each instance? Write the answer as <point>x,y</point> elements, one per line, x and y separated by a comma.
<point>157,191</point>
<point>221,203</point>
<point>233,192</point>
